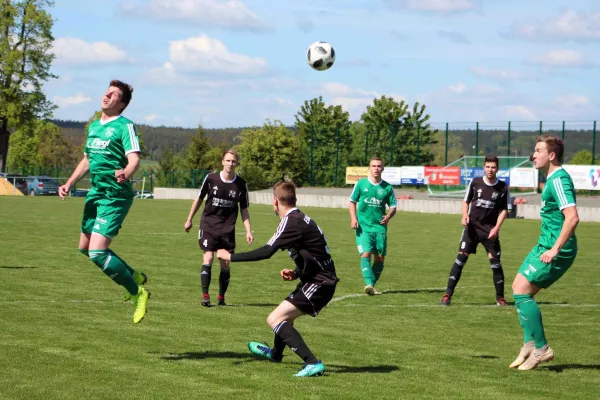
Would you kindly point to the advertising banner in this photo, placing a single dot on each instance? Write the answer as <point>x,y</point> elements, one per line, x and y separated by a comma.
<point>353,174</point>
<point>413,176</point>
<point>523,177</point>
<point>442,175</point>
<point>467,175</point>
<point>585,177</point>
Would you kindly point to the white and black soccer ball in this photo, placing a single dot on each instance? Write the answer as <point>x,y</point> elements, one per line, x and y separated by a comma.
<point>320,56</point>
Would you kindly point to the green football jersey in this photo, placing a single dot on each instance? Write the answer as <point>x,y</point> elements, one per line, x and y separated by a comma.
<point>107,146</point>
<point>558,194</point>
<point>371,201</point>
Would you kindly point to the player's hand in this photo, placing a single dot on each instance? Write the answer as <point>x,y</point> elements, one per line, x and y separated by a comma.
<point>223,254</point>
<point>288,274</point>
<point>493,233</point>
<point>386,218</point>
<point>548,256</point>
<point>63,190</point>
<point>249,237</point>
<point>188,225</point>
<point>465,221</point>
<point>120,175</point>
<point>354,223</point>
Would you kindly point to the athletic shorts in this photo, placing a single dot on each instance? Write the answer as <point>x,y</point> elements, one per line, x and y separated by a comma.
<point>541,274</point>
<point>310,298</point>
<point>471,238</point>
<point>209,242</point>
<point>371,242</point>
<point>103,214</point>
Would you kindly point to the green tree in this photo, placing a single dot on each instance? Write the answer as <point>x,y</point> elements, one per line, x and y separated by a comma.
<point>270,153</point>
<point>166,173</point>
<point>438,149</point>
<point>582,157</point>
<point>324,132</point>
<point>25,61</point>
<point>213,157</point>
<point>415,138</point>
<point>55,151</point>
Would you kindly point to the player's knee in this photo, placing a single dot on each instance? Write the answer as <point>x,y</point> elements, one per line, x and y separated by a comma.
<point>84,252</point>
<point>365,255</point>
<point>208,258</point>
<point>272,320</point>
<point>379,259</point>
<point>495,263</point>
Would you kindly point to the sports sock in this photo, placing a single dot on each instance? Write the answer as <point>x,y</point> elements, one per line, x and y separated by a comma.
<point>530,318</point>
<point>205,276</point>
<point>498,277</point>
<point>112,253</point>
<point>456,272</point>
<point>114,268</point>
<point>377,269</point>
<point>291,337</point>
<point>224,281</point>
<point>278,347</point>
<point>84,252</point>
<point>367,271</point>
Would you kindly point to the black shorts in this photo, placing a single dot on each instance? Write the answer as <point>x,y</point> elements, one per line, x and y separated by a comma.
<point>310,298</point>
<point>209,242</point>
<point>471,237</point>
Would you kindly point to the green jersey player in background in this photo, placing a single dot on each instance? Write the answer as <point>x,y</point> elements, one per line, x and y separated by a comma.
<point>111,155</point>
<point>369,201</point>
<point>552,256</point>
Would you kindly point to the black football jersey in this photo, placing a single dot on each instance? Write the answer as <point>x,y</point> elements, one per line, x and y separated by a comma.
<point>487,202</point>
<point>306,245</point>
<point>223,201</point>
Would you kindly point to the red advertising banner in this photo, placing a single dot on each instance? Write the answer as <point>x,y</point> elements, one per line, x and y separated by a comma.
<point>443,175</point>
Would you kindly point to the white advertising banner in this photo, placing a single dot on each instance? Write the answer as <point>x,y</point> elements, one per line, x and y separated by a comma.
<point>585,177</point>
<point>413,175</point>
<point>523,177</point>
<point>392,175</point>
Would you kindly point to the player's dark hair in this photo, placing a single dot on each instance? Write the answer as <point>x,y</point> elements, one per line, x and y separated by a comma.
<point>491,159</point>
<point>375,158</point>
<point>232,152</point>
<point>126,90</point>
<point>285,192</point>
<point>554,144</point>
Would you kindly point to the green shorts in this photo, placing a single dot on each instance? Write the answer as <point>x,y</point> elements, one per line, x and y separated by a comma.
<point>103,214</point>
<point>371,242</point>
<point>541,274</point>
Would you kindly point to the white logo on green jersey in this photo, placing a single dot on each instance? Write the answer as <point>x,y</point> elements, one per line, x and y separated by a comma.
<point>98,144</point>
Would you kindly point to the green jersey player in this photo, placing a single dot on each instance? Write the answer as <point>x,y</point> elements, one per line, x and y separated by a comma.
<point>369,202</point>
<point>111,155</point>
<point>552,256</point>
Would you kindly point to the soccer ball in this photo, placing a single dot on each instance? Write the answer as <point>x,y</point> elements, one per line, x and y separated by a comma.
<point>320,55</point>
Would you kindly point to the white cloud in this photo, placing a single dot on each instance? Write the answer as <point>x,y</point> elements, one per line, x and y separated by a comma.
<point>231,14</point>
<point>453,36</point>
<point>74,51</point>
<point>151,117</point>
<point>458,88</point>
<point>572,101</point>
<point>519,111</point>
<point>569,25</point>
<point>439,6</point>
<point>204,54</point>
<point>560,58</point>
<point>500,74</point>
<point>63,102</point>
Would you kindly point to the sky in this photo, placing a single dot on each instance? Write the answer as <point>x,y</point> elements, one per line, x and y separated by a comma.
<point>231,63</point>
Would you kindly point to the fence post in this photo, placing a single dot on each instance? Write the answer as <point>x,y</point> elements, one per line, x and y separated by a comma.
<point>446,147</point>
<point>337,156</point>
<point>541,128</point>
<point>476,143</point>
<point>366,145</point>
<point>562,136</point>
<point>594,144</point>
<point>312,139</point>
<point>508,148</point>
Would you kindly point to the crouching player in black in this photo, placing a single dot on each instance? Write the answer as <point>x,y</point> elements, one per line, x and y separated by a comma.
<point>488,198</point>
<point>307,247</point>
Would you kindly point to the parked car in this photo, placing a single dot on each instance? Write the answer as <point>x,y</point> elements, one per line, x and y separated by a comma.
<point>42,186</point>
<point>18,181</point>
<point>144,195</point>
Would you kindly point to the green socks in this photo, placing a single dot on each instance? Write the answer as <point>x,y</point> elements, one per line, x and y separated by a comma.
<point>115,269</point>
<point>377,269</point>
<point>530,318</point>
<point>367,271</point>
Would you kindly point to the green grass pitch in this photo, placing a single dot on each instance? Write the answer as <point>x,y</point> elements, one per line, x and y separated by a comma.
<point>65,334</point>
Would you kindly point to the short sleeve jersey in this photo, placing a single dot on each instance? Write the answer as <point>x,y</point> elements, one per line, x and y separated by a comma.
<point>487,202</point>
<point>558,194</point>
<point>223,201</point>
<point>371,201</point>
<point>107,146</point>
<point>307,247</point>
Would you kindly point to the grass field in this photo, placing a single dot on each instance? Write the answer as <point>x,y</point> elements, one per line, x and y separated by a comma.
<point>66,334</point>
